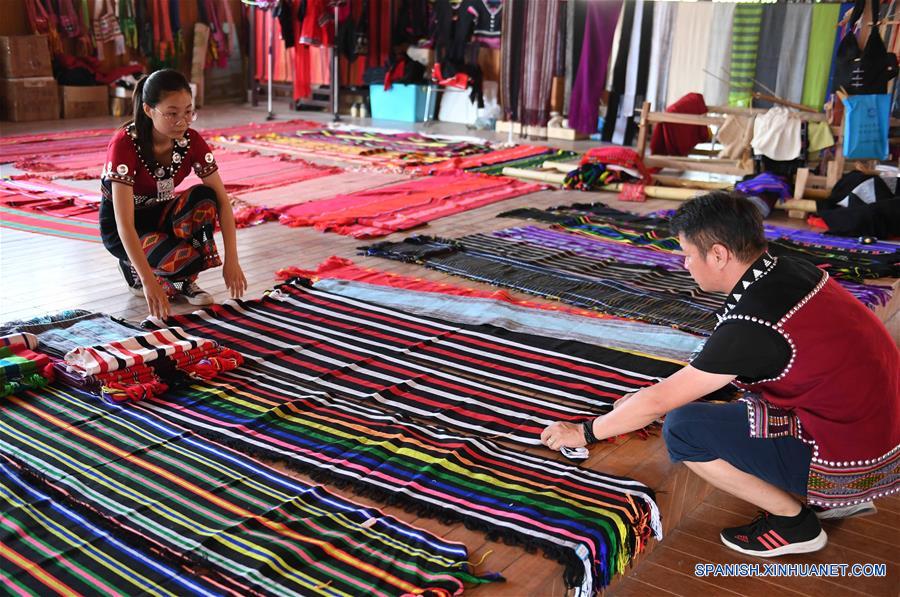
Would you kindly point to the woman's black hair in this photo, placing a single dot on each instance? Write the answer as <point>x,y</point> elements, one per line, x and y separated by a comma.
<point>721,217</point>
<point>150,90</point>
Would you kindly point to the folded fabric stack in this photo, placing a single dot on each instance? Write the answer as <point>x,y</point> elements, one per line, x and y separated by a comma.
<point>21,368</point>
<point>133,368</point>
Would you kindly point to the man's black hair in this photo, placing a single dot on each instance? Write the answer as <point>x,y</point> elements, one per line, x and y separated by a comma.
<point>721,217</point>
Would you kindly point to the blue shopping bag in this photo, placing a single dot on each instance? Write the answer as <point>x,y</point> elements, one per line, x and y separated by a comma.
<point>866,122</point>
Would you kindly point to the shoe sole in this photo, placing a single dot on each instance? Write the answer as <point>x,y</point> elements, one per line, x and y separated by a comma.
<point>136,291</point>
<point>803,547</point>
<point>847,512</point>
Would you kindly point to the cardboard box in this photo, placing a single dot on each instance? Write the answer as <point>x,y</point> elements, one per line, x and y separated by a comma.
<point>34,98</point>
<point>25,56</point>
<point>81,102</point>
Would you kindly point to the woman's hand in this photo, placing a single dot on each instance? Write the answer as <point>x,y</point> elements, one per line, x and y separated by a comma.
<point>234,277</point>
<point>157,300</point>
<point>563,435</point>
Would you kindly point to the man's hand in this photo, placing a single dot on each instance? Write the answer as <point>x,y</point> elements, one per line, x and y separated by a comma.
<point>563,435</point>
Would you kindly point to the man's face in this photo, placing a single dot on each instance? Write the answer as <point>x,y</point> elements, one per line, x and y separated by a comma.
<point>701,267</point>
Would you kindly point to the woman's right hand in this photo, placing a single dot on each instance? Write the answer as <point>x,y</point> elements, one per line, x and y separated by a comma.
<point>157,300</point>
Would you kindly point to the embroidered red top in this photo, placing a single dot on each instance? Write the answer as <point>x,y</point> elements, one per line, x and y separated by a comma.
<point>126,164</point>
<point>840,388</point>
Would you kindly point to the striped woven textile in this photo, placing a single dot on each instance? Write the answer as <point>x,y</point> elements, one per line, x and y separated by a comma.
<point>744,48</point>
<point>49,548</point>
<point>476,379</point>
<point>590,522</point>
<point>636,291</point>
<point>135,350</point>
<point>559,155</point>
<point>242,526</point>
<point>396,151</point>
<point>847,260</point>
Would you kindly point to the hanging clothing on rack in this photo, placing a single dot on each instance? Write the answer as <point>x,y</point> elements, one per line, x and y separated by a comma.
<point>661,48</point>
<point>771,32</point>
<point>792,52</point>
<point>690,49</point>
<point>619,125</point>
<point>818,58</point>
<point>744,49</point>
<point>590,81</point>
<point>715,85</point>
<point>488,22</point>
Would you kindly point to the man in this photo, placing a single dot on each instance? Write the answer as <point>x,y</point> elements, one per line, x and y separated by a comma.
<point>821,417</point>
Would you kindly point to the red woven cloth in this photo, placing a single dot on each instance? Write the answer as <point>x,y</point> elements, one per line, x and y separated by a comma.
<point>377,212</point>
<point>680,139</point>
<point>494,157</point>
<point>617,155</point>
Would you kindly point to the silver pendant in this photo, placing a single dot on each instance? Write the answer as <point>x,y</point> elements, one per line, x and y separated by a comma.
<point>164,189</point>
<point>160,172</point>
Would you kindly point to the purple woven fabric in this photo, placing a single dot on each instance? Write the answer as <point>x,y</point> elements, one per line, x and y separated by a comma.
<point>599,249</point>
<point>591,247</point>
<point>599,28</point>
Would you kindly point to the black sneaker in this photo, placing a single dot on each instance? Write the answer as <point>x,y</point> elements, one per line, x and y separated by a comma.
<point>769,536</point>
<point>193,293</point>
<point>131,278</point>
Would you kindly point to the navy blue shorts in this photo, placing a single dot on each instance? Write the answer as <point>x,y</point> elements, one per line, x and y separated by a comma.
<point>704,431</point>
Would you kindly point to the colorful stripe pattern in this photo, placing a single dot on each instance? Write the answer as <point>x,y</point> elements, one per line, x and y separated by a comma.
<point>243,527</point>
<point>25,221</point>
<point>47,547</point>
<point>590,522</point>
<point>476,379</point>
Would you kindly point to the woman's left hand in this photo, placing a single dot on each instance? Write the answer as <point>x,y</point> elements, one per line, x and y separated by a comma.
<point>234,277</point>
<point>563,435</point>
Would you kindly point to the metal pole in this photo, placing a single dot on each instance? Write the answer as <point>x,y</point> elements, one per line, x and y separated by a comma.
<point>271,23</point>
<point>335,66</point>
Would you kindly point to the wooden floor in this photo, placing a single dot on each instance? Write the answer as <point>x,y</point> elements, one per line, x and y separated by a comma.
<point>41,274</point>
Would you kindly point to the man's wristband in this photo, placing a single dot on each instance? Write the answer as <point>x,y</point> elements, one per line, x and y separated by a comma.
<point>588,429</point>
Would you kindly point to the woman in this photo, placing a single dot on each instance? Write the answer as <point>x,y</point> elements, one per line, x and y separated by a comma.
<point>163,239</point>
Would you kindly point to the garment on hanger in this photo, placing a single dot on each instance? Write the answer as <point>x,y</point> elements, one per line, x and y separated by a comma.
<point>865,70</point>
<point>744,49</point>
<point>776,135</point>
<point>286,13</point>
<point>660,49</point>
<point>792,52</point>
<point>622,119</point>
<point>818,57</point>
<point>530,56</point>
<point>771,33</point>
<point>690,49</point>
<point>735,135</point>
<point>590,81</point>
<point>487,22</point>
<point>718,59</point>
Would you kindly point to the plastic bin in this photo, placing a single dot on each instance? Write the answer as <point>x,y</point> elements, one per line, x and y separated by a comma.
<point>405,103</point>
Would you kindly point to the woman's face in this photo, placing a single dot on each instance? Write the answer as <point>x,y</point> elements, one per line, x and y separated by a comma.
<point>173,114</point>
